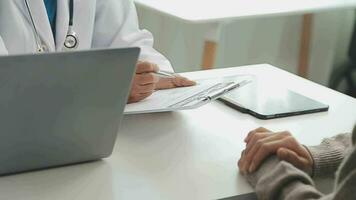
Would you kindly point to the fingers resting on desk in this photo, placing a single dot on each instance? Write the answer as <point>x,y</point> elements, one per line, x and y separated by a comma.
<point>262,143</point>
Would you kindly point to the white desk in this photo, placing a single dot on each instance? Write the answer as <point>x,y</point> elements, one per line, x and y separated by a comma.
<point>182,155</point>
<point>219,13</point>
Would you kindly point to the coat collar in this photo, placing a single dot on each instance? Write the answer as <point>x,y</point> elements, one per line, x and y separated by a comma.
<point>41,21</point>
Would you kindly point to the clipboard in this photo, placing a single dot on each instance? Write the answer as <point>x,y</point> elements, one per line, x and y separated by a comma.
<point>184,98</point>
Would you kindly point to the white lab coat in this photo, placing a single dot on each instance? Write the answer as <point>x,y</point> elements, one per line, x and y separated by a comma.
<point>97,23</point>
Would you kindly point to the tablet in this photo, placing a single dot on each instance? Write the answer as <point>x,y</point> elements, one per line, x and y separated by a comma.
<point>263,102</point>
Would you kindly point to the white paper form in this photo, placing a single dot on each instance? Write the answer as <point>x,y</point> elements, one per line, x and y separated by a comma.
<point>179,98</point>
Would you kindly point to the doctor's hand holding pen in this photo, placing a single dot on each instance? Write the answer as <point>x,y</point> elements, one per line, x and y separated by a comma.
<point>149,78</point>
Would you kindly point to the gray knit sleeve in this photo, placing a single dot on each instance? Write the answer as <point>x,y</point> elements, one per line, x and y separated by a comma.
<point>280,180</point>
<point>328,155</point>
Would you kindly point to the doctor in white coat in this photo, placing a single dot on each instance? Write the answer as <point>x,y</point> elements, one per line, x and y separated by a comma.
<point>26,27</point>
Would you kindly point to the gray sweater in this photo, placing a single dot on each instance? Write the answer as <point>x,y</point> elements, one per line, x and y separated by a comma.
<point>277,179</point>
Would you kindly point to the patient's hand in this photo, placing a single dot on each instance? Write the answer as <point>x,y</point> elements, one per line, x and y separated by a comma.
<point>261,143</point>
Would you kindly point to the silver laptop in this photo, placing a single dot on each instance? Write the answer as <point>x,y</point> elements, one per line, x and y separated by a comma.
<point>61,108</point>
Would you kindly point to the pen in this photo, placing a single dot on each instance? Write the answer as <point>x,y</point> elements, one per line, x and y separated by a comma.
<point>227,89</point>
<point>165,74</point>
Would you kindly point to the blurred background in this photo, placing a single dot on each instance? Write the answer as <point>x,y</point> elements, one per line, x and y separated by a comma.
<point>273,40</point>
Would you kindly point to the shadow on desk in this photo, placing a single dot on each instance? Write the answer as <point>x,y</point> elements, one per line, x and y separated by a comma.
<point>249,196</point>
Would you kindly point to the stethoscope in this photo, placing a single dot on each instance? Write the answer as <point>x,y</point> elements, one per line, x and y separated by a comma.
<point>71,41</point>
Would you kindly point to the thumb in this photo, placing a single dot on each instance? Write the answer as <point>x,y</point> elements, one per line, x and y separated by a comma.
<point>293,158</point>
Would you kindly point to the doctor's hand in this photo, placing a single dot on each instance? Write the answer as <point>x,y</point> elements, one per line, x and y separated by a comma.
<point>261,143</point>
<point>144,81</point>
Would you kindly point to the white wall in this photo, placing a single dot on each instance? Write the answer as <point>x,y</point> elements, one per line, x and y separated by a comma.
<point>272,40</point>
